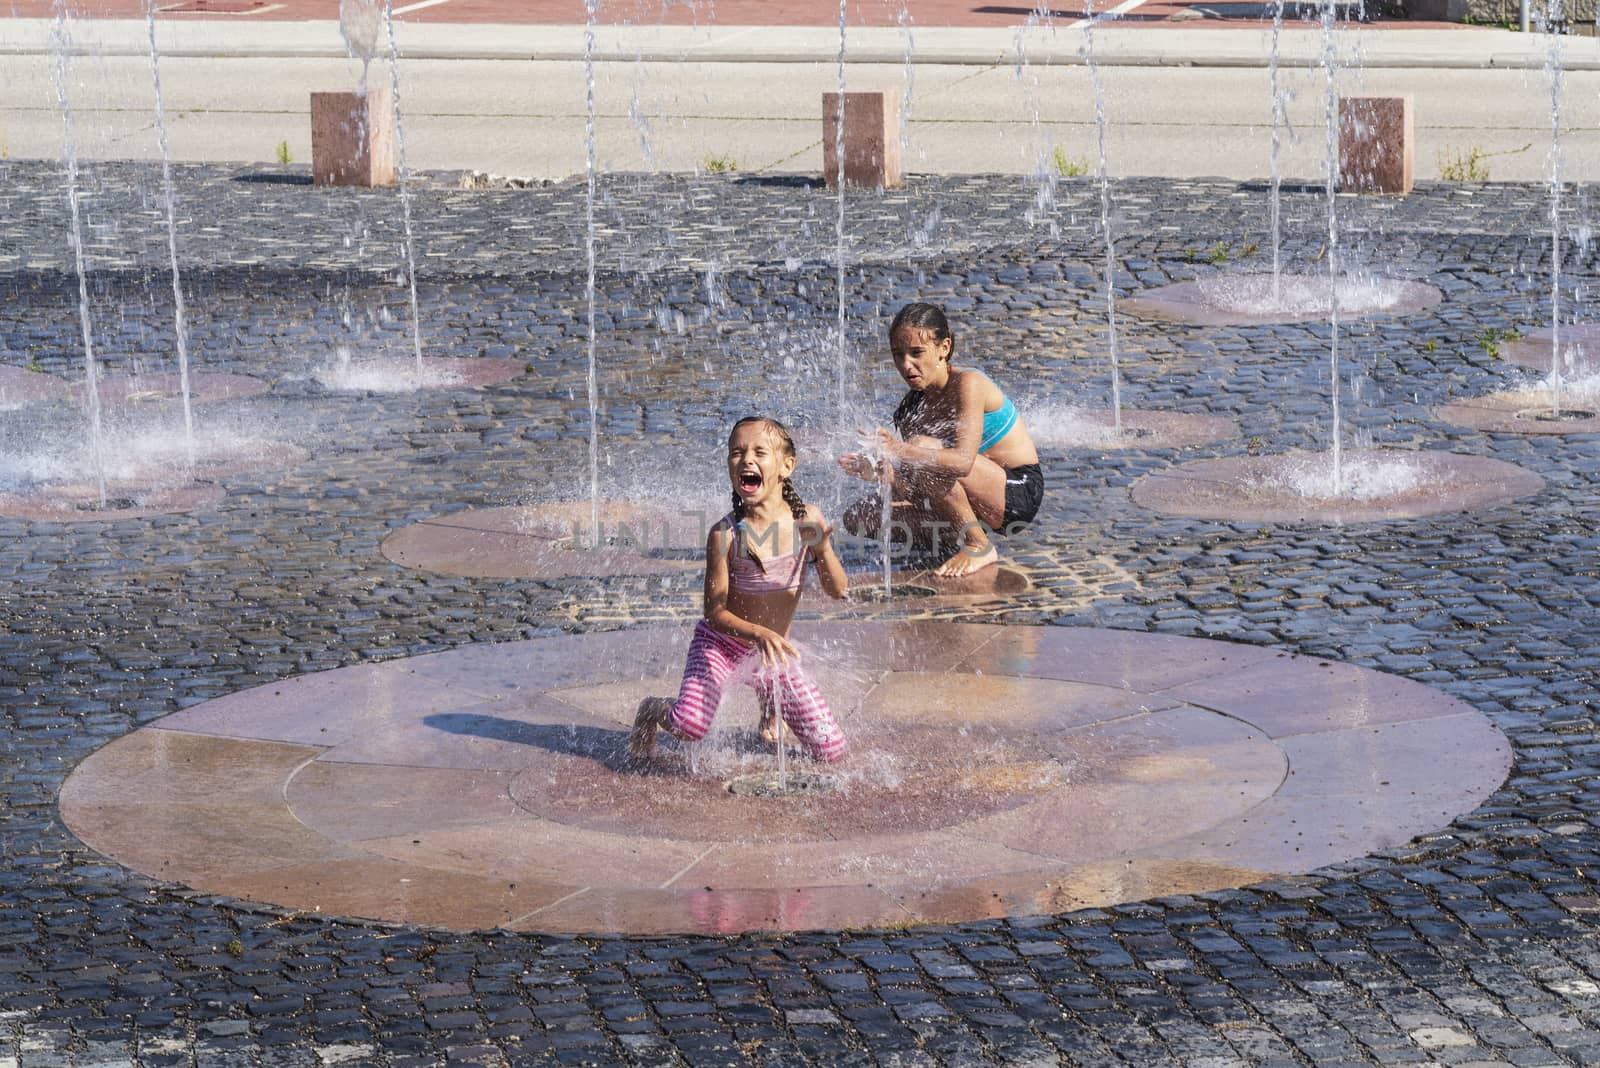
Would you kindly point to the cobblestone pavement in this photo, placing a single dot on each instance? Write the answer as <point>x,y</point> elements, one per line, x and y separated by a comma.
<point>1473,945</point>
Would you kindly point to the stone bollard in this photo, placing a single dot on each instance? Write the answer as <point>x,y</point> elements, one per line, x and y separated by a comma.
<point>352,138</point>
<point>871,139</point>
<point>1376,144</point>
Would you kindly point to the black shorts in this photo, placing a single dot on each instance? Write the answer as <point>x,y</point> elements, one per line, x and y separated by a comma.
<point>1024,494</point>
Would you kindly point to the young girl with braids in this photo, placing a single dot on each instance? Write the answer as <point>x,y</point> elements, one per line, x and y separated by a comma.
<point>755,557</point>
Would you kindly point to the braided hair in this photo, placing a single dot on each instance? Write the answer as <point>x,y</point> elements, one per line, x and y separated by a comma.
<point>791,496</point>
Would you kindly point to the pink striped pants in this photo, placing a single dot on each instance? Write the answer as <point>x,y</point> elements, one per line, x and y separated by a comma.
<point>712,659</point>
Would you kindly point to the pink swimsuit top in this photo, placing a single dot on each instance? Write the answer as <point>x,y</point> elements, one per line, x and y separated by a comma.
<point>775,574</point>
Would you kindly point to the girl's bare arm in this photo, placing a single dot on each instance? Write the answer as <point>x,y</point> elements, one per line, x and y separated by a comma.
<point>957,460</point>
<point>818,537</point>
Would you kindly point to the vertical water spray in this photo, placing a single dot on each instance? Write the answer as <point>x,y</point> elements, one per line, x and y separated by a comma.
<point>1550,15</point>
<point>905,21</point>
<point>405,185</point>
<point>838,161</point>
<point>180,318</point>
<point>1046,171</point>
<point>1105,215</point>
<point>61,42</point>
<point>1279,116</point>
<point>886,532</point>
<point>783,680</point>
<point>358,27</point>
<point>1331,103</point>
<point>591,13</point>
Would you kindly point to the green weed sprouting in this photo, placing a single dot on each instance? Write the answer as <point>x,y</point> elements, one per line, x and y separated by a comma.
<point>1073,167</point>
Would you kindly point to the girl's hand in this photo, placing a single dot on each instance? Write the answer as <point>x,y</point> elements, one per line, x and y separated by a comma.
<point>776,652</point>
<point>858,466</point>
<point>888,449</point>
<point>815,530</point>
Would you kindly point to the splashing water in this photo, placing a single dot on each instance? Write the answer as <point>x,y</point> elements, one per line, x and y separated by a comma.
<point>169,198</point>
<point>1549,16</point>
<point>1581,389</point>
<point>359,23</point>
<point>405,185</point>
<point>380,376</point>
<point>1279,121</point>
<point>1046,174</point>
<point>1105,213</point>
<point>886,534</point>
<point>591,14</point>
<point>61,42</point>
<point>1329,66</point>
<point>1260,294</point>
<point>838,157</point>
<point>158,454</point>
<point>1069,425</point>
<point>904,20</point>
<point>1364,478</point>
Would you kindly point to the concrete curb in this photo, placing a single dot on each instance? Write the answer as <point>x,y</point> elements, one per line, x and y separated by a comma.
<point>1120,46</point>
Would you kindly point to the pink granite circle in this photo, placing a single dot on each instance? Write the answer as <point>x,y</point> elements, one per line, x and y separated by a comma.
<point>1296,488</point>
<point>1244,299</point>
<point>553,540</point>
<point>400,374</point>
<point>994,771</point>
<point>162,388</point>
<point>1580,344</point>
<point>149,477</point>
<point>1095,428</point>
<point>20,387</point>
<point>929,590</point>
<point>1528,411</point>
<point>80,502</point>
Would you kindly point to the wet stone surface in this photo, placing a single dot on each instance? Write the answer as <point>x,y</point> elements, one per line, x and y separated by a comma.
<point>1473,943</point>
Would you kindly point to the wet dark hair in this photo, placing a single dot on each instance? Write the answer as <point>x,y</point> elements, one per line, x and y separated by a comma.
<point>923,316</point>
<point>919,315</point>
<point>791,496</point>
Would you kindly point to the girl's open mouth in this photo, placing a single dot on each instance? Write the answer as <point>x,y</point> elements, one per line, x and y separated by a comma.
<point>749,482</point>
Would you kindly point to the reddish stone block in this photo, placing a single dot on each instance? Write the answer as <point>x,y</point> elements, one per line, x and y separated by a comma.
<point>352,138</point>
<point>871,139</point>
<point>1376,144</point>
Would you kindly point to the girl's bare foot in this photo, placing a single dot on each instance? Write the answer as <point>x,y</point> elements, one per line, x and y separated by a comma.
<point>771,725</point>
<point>652,715</point>
<point>968,559</point>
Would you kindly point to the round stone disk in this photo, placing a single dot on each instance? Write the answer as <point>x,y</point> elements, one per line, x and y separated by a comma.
<point>80,502</point>
<point>1267,489</point>
<point>1530,411</point>
<point>553,540</point>
<point>1095,428</point>
<point>1579,341</point>
<point>993,771</point>
<point>162,388</point>
<point>1245,299</point>
<point>20,387</point>
<point>400,374</point>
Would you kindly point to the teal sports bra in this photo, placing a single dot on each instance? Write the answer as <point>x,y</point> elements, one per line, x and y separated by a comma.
<point>997,424</point>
